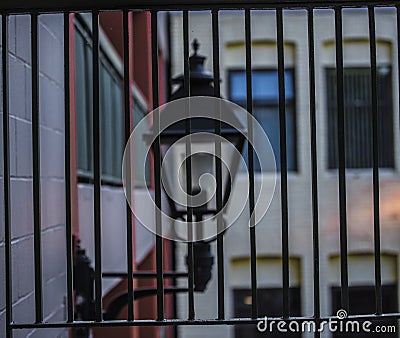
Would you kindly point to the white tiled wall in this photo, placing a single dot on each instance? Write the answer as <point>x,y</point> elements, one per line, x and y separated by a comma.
<point>52,175</point>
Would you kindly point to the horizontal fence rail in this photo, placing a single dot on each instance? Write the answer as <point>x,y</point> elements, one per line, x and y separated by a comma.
<point>104,5</point>
<point>38,7</point>
<point>196,322</point>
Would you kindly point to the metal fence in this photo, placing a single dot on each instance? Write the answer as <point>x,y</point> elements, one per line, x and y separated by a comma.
<point>36,8</point>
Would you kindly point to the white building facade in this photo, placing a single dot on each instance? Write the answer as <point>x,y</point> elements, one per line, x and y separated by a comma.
<point>359,163</point>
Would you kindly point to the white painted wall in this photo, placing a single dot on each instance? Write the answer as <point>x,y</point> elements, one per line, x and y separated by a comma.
<point>359,182</point>
<point>52,175</point>
<point>113,228</point>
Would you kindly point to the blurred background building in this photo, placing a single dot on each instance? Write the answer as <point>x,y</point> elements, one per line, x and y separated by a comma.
<point>357,89</point>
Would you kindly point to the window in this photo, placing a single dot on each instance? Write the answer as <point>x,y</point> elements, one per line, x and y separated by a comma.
<point>111,111</point>
<point>140,149</point>
<point>362,301</point>
<point>270,304</point>
<point>358,125</point>
<point>266,109</point>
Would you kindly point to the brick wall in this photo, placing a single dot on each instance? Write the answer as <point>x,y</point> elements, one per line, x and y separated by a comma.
<point>52,172</point>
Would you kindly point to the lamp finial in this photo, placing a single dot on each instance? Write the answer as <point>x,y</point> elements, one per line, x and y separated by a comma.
<point>195,45</point>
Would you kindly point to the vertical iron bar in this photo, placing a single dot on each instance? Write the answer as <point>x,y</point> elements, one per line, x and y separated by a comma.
<point>157,168</point>
<point>127,127</point>
<point>283,156</point>
<point>67,150</point>
<point>342,160</point>
<point>36,169</point>
<point>96,167</point>
<point>186,84</point>
<point>375,154</point>
<point>314,169</point>
<point>249,106</point>
<point>6,155</point>
<point>218,169</point>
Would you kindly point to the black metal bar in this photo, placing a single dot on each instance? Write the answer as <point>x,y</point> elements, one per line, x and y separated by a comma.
<point>36,169</point>
<point>127,129</point>
<point>375,159</point>
<point>218,170</point>
<point>283,164</point>
<point>342,160</point>
<point>314,168</point>
<point>145,274</point>
<point>157,169</point>
<point>6,156</point>
<point>249,106</point>
<point>118,303</point>
<point>173,247</point>
<point>67,150</point>
<point>198,322</point>
<point>21,6</point>
<point>96,168</point>
<point>188,162</point>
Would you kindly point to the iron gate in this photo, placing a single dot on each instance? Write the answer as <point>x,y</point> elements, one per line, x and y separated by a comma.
<point>36,8</point>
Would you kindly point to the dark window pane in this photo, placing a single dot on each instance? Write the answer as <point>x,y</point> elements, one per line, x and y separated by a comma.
<point>269,304</point>
<point>362,301</point>
<point>266,111</point>
<point>106,106</point>
<point>117,130</point>
<point>81,104</point>
<point>268,117</point>
<point>358,124</point>
<point>89,104</point>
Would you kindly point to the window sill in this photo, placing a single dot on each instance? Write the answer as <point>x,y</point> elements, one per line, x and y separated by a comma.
<point>269,174</point>
<point>361,173</point>
<point>108,181</point>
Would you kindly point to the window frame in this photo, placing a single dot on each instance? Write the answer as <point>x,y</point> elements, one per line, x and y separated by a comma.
<point>356,170</point>
<point>258,103</point>
<point>113,64</point>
